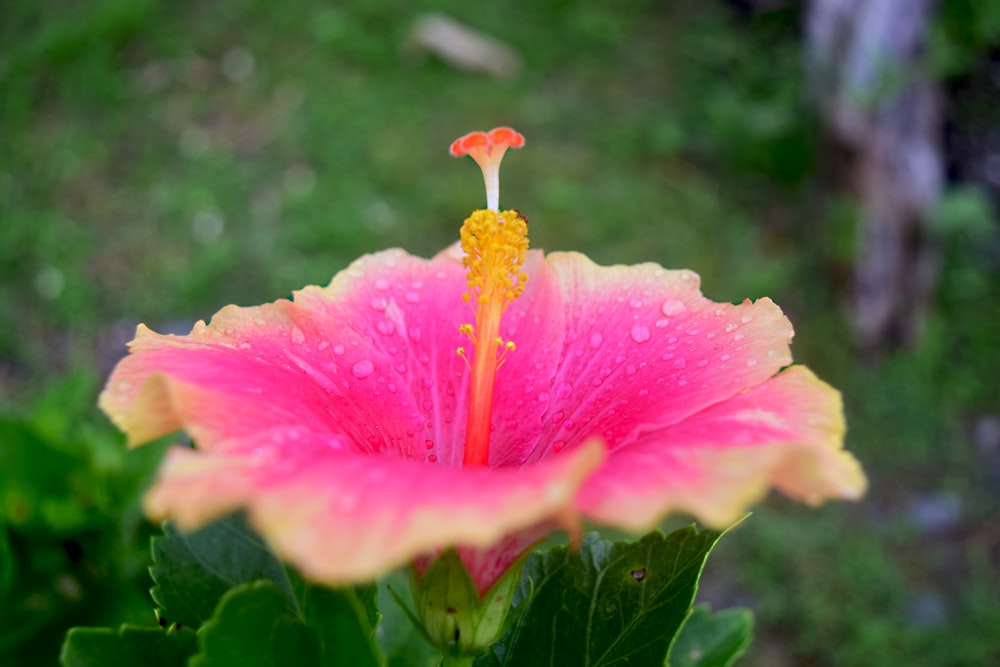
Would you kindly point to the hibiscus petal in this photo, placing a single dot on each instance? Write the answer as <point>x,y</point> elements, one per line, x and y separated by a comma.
<point>644,349</point>
<point>372,356</point>
<point>344,517</point>
<point>786,432</point>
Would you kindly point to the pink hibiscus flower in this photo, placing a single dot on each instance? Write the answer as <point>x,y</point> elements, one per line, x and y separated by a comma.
<point>478,399</point>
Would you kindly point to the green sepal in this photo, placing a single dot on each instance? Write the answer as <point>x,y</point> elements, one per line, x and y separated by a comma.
<point>452,614</point>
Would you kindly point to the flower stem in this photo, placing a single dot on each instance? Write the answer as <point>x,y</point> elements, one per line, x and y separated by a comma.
<point>457,660</point>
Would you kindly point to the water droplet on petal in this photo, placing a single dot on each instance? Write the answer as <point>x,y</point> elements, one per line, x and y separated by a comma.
<point>724,357</point>
<point>431,458</point>
<point>564,390</point>
<point>412,297</point>
<point>379,303</point>
<point>596,340</point>
<point>363,369</point>
<point>751,362</point>
<point>429,444</point>
<point>558,446</point>
<point>662,323</point>
<point>297,336</point>
<point>569,425</point>
<point>746,319</point>
<point>673,307</point>
<point>386,327</point>
<point>381,284</point>
<point>640,334</point>
<point>703,363</point>
<point>558,417</point>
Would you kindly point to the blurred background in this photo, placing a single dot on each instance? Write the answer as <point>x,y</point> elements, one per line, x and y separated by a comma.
<point>159,160</point>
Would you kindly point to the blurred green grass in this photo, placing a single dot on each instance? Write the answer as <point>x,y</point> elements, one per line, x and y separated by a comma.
<point>160,160</point>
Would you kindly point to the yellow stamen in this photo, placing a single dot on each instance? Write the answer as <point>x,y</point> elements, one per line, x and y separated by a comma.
<point>495,245</point>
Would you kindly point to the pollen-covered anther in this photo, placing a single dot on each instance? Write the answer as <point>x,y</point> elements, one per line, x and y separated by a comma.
<point>494,245</point>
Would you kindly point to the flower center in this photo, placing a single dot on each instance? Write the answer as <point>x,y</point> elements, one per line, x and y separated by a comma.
<point>494,245</point>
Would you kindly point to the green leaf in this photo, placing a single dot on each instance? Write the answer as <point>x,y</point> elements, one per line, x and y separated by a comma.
<point>253,626</point>
<point>344,620</point>
<point>402,643</point>
<point>606,604</point>
<point>42,486</point>
<point>193,571</point>
<point>712,640</point>
<point>127,646</point>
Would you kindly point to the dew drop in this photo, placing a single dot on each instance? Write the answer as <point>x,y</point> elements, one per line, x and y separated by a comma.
<point>245,346</point>
<point>363,369</point>
<point>379,303</point>
<point>751,362</point>
<point>724,357</point>
<point>558,417</point>
<point>429,444</point>
<point>543,397</point>
<point>640,334</point>
<point>746,319</point>
<point>338,349</point>
<point>569,425</point>
<point>673,307</point>
<point>637,303</point>
<point>558,446</point>
<point>739,337</point>
<point>596,340</point>
<point>431,458</point>
<point>381,284</point>
<point>662,323</point>
<point>680,363</point>
<point>703,363</point>
<point>564,390</point>
<point>412,297</point>
<point>386,327</point>
<point>639,574</point>
<point>297,336</point>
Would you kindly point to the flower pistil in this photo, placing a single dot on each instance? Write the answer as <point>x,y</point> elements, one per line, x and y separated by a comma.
<point>494,244</point>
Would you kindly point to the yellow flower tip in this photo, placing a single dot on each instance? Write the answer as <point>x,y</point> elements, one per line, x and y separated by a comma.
<point>488,149</point>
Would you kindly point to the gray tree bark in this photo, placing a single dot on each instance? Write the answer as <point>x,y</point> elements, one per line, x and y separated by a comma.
<point>865,64</point>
